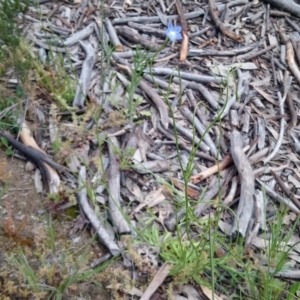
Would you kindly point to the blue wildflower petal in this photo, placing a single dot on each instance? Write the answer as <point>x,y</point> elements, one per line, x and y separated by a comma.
<point>177,29</point>
<point>173,33</point>
<point>170,26</point>
<point>178,36</point>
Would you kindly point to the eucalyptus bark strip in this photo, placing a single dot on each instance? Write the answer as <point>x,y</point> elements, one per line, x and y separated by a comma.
<point>50,47</point>
<point>184,31</point>
<point>261,133</point>
<point>86,73</point>
<point>276,62</point>
<point>148,29</point>
<point>274,71</point>
<point>229,103</point>
<point>188,16</point>
<point>295,39</point>
<point>232,192</point>
<point>285,189</point>
<point>195,105</point>
<point>293,112</point>
<point>153,166</point>
<point>281,131</point>
<point>253,54</point>
<point>257,156</point>
<point>293,24</point>
<point>174,88</point>
<point>201,129</point>
<point>114,201</point>
<point>290,54</point>
<point>133,36</point>
<point>104,237</point>
<point>158,101</point>
<point>201,88</point>
<point>286,274</point>
<point>80,35</point>
<point>184,146</point>
<point>190,136</point>
<point>210,195</point>
<point>184,75</point>
<point>278,198</point>
<point>214,14</point>
<point>287,5</point>
<point>153,95</point>
<point>158,279</point>
<point>245,207</point>
<point>260,206</point>
<point>233,52</point>
<point>113,35</point>
<point>53,11</point>
<point>227,160</point>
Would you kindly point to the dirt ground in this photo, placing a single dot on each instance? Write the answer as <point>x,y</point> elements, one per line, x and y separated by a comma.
<point>24,226</point>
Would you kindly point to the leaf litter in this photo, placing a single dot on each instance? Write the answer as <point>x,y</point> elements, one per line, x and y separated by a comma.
<point>181,117</point>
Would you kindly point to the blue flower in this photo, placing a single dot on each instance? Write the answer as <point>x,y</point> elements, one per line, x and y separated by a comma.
<point>173,32</point>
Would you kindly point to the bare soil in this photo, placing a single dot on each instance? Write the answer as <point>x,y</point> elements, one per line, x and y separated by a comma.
<point>27,231</point>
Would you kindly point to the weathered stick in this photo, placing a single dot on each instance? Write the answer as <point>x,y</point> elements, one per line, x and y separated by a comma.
<point>227,160</point>
<point>113,35</point>
<point>133,36</point>
<point>184,75</point>
<point>233,52</point>
<point>153,95</point>
<point>287,5</point>
<point>293,112</point>
<point>150,20</point>
<point>281,132</point>
<point>105,238</point>
<point>120,223</point>
<point>285,189</point>
<point>158,279</point>
<point>184,31</point>
<point>26,137</point>
<point>200,128</point>
<point>290,54</point>
<point>245,208</point>
<point>86,73</point>
<point>80,35</point>
<point>214,14</point>
<point>278,198</point>
<point>189,135</point>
